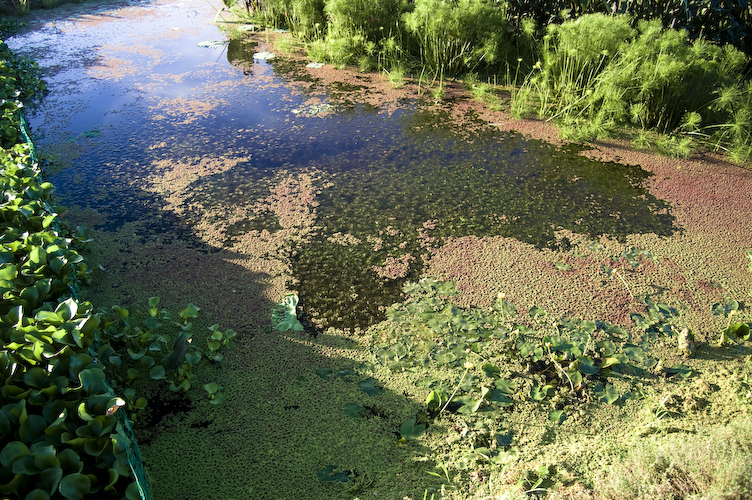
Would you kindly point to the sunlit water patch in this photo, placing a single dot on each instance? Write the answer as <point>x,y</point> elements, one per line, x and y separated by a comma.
<point>393,187</point>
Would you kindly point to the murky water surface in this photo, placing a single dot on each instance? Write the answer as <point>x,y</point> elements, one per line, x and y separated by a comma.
<point>131,86</point>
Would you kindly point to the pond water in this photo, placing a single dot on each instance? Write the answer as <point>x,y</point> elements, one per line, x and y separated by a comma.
<point>133,86</point>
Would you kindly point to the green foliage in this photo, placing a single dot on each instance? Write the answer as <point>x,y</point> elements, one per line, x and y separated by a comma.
<point>155,343</point>
<point>564,365</point>
<point>597,74</point>
<point>284,315</point>
<point>60,434</point>
<point>455,36</point>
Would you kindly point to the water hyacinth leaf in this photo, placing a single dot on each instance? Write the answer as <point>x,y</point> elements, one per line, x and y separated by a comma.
<point>539,393</point>
<point>574,377</point>
<point>152,323</point>
<point>435,400</point>
<point>132,492</point>
<point>491,371</point>
<point>75,486</point>
<point>192,357</point>
<point>536,313</point>
<point>369,387</point>
<point>586,366</point>
<point>137,355</point>
<point>190,311</point>
<point>212,387</point>
<point>37,494</point>
<point>609,362</point>
<point>410,430</point>
<point>70,461</point>
<point>505,385</point>
<point>557,416</point>
<point>739,331</point>
<point>681,371</point>
<point>726,308</point>
<point>12,452</point>
<point>607,394</point>
<point>354,410</point>
<point>500,398</point>
<point>158,372</point>
<point>32,428</point>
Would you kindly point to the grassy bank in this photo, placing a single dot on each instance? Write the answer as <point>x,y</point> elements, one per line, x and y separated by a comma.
<point>634,72</point>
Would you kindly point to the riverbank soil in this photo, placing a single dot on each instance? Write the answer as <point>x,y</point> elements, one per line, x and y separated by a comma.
<point>209,176</point>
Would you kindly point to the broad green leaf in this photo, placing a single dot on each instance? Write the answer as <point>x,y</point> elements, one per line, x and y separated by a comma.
<point>410,430</point>
<point>354,410</point>
<point>607,393</point>
<point>37,494</point>
<point>75,486</point>
<point>557,416</point>
<point>539,393</point>
<point>491,371</point>
<point>586,366</point>
<point>212,387</point>
<point>190,311</point>
<point>132,492</point>
<point>369,387</point>
<point>506,386</point>
<point>12,452</point>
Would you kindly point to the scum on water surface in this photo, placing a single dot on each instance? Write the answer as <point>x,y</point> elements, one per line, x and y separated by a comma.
<point>399,183</point>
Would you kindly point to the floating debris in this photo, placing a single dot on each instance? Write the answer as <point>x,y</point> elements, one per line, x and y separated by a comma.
<point>314,65</point>
<point>263,56</point>
<point>280,30</point>
<point>314,109</point>
<point>212,43</point>
<point>247,27</point>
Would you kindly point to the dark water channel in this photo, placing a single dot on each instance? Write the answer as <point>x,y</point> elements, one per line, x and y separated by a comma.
<point>400,181</point>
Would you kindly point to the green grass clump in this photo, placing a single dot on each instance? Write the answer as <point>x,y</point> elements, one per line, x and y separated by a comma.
<point>453,36</point>
<point>598,74</point>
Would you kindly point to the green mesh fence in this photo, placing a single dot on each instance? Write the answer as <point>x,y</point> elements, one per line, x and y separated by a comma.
<point>124,428</point>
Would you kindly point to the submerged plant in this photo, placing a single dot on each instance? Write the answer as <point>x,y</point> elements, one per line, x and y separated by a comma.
<point>284,314</point>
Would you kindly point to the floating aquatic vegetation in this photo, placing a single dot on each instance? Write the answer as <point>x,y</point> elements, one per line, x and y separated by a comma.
<point>212,43</point>
<point>263,56</point>
<point>313,109</point>
<point>315,65</point>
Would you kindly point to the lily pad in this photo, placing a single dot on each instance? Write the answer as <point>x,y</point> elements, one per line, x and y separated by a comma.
<point>212,43</point>
<point>369,387</point>
<point>263,56</point>
<point>410,430</point>
<point>354,410</point>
